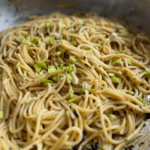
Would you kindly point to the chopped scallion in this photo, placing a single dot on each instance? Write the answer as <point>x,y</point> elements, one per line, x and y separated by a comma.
<point>98,45</point>
<point>58,53</point>
<point>35,39</point>
<point>61,52</point>
<point>51,69</point>
<point>1,115</point>
<point>147,74</point>
<point>37,68</point>
<point>57,78</point>
<point>68,78</point>
<point>112,117</point>
<point>91,52</point>
<point>15,40</point>
<point>42,64</point>
<point>81,91</point>
<point>74,43</point>
<point>92,30</point>
<point>72,66</point>
<point>111,74</point>
<point>115,80</point>
<point>129,62</point>
<point>130,88</point>
<point>68,69</point>
<point>48,24</point>
<point>61,66</point>
<point>63,26</point>
<point>92,90</point>
<point>27,42</point>
<point>127,53</point>
<point>140,100</point>
<point>71,30</point>
<point>75,106</point>
<point>60,74</point>
<point>52,39</point>
<point>38,45</point>
<point>49,39</point>
<point>71,93</point>
<point>57,36</point>
<point>120,72</point>
<point>18,64</point>
<point>25,35</point>
<point>116,62</point>
<point>46,80</point>
<point>41,73</point>
<point>72,58</point>
<point>71,100</point>
<point>81,23</point>
<point>52,34</point>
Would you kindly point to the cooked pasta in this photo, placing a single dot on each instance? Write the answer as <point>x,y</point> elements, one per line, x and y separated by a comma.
<point>71,82</point>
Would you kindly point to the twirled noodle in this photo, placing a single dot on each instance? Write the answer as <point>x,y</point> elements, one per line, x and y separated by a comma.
<point>64,76</point>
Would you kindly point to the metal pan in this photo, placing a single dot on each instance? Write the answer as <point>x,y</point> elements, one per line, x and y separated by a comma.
<point>136,12</point>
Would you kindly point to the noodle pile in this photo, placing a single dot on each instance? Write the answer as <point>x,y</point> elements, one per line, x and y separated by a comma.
<point>72,83</point>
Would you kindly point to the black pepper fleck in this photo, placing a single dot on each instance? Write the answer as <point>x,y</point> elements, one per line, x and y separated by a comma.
<point>117,30</point>
<point>113,136</point>
<point>148,116</point>
<point>6,119</point>
<point>39,14</point>
<point>95,146</point>
<point>46,33</point>
<point>87,65</point>
<point>125,112</point>
<point>130,147</point>
<point>140,27</point>
<point>76,114</point>
<point>37,34</point>
<point>140,144</point>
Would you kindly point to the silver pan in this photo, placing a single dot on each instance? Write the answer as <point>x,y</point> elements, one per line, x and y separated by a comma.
<point>136,12</point>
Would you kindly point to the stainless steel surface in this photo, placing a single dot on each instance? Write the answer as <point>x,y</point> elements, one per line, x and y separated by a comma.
<point>14,12</point>
<point>137,12</point>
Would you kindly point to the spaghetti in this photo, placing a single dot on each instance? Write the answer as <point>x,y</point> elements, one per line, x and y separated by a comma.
<point>72,82</point>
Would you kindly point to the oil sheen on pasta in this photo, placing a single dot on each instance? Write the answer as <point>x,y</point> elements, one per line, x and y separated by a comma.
<point>65,75</point>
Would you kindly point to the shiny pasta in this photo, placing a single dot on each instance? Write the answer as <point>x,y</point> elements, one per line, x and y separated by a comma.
<point>66,75</point>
